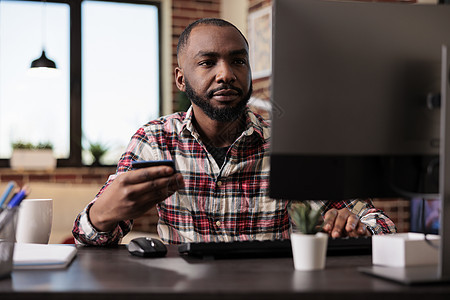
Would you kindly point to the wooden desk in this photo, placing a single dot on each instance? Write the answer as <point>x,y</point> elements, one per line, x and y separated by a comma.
<point>99,273</point>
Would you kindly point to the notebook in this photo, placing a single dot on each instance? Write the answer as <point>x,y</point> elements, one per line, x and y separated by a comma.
<point>40,256</point>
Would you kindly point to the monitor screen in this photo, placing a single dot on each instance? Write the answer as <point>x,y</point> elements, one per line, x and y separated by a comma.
<point>424,216</point>
<point>355,87</point>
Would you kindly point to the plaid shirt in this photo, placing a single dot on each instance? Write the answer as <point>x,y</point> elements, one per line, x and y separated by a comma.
<point>218,203</point>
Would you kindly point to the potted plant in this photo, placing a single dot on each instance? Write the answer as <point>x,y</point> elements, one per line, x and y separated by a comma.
<point>97,151</point>
<point>309,245</point>
<point>29,156</point>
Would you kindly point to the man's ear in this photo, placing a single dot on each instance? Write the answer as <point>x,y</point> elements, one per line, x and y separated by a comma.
<point>179,79</point>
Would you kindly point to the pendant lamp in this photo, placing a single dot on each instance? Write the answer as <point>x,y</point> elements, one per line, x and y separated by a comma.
<point>43,63</point>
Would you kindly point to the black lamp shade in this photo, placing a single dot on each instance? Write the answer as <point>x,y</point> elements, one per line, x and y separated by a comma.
<point>43,62</point>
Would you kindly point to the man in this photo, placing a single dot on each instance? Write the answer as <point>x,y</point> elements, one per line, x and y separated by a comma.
<point>220,148</point>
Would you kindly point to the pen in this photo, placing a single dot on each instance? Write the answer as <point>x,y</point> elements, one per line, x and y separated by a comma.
<point>7,214</point>
<point>8,194</point>
<point>15,201</point>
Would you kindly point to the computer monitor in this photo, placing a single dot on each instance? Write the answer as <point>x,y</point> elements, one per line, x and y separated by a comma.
<point>356,92</point>
<point>424,215</point>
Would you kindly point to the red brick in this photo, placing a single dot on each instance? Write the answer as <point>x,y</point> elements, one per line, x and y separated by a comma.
<point>19,179</point>
<point>93,178</point>
<point>39,177</point>
<point>69,178</point>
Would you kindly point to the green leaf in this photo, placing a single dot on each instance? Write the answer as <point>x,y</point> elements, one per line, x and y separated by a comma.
<point>305,218</point>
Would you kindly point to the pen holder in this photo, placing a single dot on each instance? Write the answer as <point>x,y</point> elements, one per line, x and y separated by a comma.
<point>7,240</point>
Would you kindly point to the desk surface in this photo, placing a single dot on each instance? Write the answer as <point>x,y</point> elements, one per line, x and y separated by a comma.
<point>99,273</point>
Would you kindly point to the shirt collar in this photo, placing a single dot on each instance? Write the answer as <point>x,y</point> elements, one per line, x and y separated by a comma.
<point>187,126</point>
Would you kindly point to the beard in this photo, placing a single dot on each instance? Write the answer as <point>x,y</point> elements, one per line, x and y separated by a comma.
<point>225,114</point>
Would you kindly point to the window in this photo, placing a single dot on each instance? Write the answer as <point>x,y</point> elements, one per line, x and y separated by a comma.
<point>107,53</point>
<point>33,109</point>
<point>120,77</point>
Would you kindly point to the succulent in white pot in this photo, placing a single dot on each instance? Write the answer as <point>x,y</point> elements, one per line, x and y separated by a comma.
<point>309,245</point>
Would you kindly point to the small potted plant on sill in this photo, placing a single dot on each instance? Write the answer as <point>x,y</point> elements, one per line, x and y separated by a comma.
<point>309,245</point>
<point>97,150</point>
<point>28,156</point>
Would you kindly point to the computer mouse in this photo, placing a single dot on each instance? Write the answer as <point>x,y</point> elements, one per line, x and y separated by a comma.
<point>147,247</point>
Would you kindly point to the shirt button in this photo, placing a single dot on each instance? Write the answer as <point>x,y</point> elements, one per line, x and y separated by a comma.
<point>219,183</point>
<point>218,223</point>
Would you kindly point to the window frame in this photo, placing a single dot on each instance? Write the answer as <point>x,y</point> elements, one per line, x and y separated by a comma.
<point>75,77</point>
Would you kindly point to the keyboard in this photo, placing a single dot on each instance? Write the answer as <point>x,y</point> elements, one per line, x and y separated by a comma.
<point>273,248</point>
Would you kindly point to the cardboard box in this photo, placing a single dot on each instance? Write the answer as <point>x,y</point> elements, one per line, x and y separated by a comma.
<point>405,249</point>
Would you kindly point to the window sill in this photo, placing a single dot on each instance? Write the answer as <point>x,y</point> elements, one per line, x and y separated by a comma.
<point>97,175</point>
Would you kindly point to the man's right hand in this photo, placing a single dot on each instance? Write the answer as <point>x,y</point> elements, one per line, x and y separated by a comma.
<point>131,194</point>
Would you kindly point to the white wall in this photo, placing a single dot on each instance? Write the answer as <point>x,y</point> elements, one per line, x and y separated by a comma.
<point>235,11</point>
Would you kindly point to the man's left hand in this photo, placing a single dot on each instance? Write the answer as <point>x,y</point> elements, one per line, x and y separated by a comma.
<point>342,222</point>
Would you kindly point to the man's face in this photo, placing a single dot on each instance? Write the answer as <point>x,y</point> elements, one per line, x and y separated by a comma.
<point>215,72</point>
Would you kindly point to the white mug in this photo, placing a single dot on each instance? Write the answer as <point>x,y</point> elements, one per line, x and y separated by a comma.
<point>34,222</point>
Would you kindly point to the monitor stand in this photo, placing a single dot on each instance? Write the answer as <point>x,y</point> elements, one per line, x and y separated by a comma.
<point>441,272</point>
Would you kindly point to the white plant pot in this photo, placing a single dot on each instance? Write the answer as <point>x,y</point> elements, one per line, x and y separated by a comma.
<point>309,250</point>
<point>24,159</point>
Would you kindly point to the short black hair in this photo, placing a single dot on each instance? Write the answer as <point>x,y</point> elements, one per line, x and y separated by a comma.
<point>184,37</point>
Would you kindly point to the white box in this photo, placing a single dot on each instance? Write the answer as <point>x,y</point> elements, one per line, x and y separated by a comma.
<point>405,249</point>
